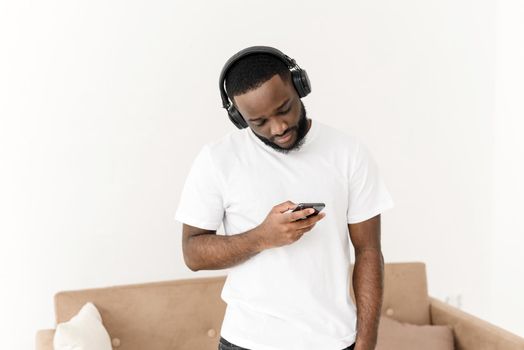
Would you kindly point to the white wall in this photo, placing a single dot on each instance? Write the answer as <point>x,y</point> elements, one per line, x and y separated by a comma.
<point>105,104</point>
<point>508,170</point>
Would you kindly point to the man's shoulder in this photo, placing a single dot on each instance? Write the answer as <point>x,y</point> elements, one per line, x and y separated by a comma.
<point>339,136</point>
<point>227,142</point>
<point>224,150</point>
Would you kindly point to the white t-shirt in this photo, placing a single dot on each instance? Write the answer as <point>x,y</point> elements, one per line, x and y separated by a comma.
<point>295,296</point>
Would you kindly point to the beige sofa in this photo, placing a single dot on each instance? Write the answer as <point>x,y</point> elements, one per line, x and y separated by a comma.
<point>187,314</point>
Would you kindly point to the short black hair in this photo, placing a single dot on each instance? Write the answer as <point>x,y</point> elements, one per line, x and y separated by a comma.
<point>253,70</point>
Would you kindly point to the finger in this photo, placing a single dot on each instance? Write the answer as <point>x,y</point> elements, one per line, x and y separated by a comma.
<point>318,217</point>
<point>301,214</point>
<point>304,230</point>
<point>300,233</point>
<point>303,226</point>
<point>285,206</point>
<point>309,221</point>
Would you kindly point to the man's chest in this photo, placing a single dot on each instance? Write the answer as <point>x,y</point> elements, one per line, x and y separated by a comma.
<point>253,187</point>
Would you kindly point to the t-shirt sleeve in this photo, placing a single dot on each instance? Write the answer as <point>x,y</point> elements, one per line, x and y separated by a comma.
<point>368,195</point>
<point>201,201</point>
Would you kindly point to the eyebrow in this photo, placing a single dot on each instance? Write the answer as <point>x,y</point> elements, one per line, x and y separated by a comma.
<point>276,109</point>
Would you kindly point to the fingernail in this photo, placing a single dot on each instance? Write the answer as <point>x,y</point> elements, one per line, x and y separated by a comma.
<point>311,211</point>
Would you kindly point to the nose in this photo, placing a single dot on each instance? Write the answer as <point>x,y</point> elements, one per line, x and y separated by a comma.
<point>278,128</point>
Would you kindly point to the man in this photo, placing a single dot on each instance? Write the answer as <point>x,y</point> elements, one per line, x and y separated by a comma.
<point>288,284</point>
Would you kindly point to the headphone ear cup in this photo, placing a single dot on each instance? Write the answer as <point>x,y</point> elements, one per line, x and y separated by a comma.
<point>236,117</point>
<point>301,82</point>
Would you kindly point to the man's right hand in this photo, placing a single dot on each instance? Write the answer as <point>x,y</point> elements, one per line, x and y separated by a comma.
<point>281,228</point>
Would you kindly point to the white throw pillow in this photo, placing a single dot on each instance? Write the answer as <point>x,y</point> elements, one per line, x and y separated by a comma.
<point>84,331</point>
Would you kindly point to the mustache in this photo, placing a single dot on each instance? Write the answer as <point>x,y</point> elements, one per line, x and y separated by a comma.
<point>284,134</point>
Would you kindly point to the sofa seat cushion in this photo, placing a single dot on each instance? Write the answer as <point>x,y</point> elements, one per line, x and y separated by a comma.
<point>395,335</point>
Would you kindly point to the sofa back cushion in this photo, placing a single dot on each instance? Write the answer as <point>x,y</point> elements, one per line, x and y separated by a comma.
<point>182,314</point>
<point>405,293</point>
<point>188,314</point>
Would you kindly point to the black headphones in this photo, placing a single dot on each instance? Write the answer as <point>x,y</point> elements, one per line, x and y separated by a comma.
<point>298,75</point>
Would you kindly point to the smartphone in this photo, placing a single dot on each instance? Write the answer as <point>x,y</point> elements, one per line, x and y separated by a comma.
<point>317,206</point>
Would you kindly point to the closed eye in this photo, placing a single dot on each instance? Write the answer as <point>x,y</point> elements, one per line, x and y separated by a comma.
<point>284,112</point>
<point>278,113</point>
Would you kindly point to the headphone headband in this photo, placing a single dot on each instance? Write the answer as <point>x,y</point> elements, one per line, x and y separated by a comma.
<point>298,75</point>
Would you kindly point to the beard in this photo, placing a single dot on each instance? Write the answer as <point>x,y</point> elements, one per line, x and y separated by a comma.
<point>301,128</point>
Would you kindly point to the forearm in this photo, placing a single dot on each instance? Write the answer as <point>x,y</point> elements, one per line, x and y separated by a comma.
<point>368,285</point>
<point>215,252</point>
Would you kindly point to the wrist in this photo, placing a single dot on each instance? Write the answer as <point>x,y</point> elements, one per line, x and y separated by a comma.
<point>362,344</point>
<point>258,236</point>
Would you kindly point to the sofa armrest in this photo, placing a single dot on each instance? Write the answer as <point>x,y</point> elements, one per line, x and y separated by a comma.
<point>470,332</point>
<point>44,339</point>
